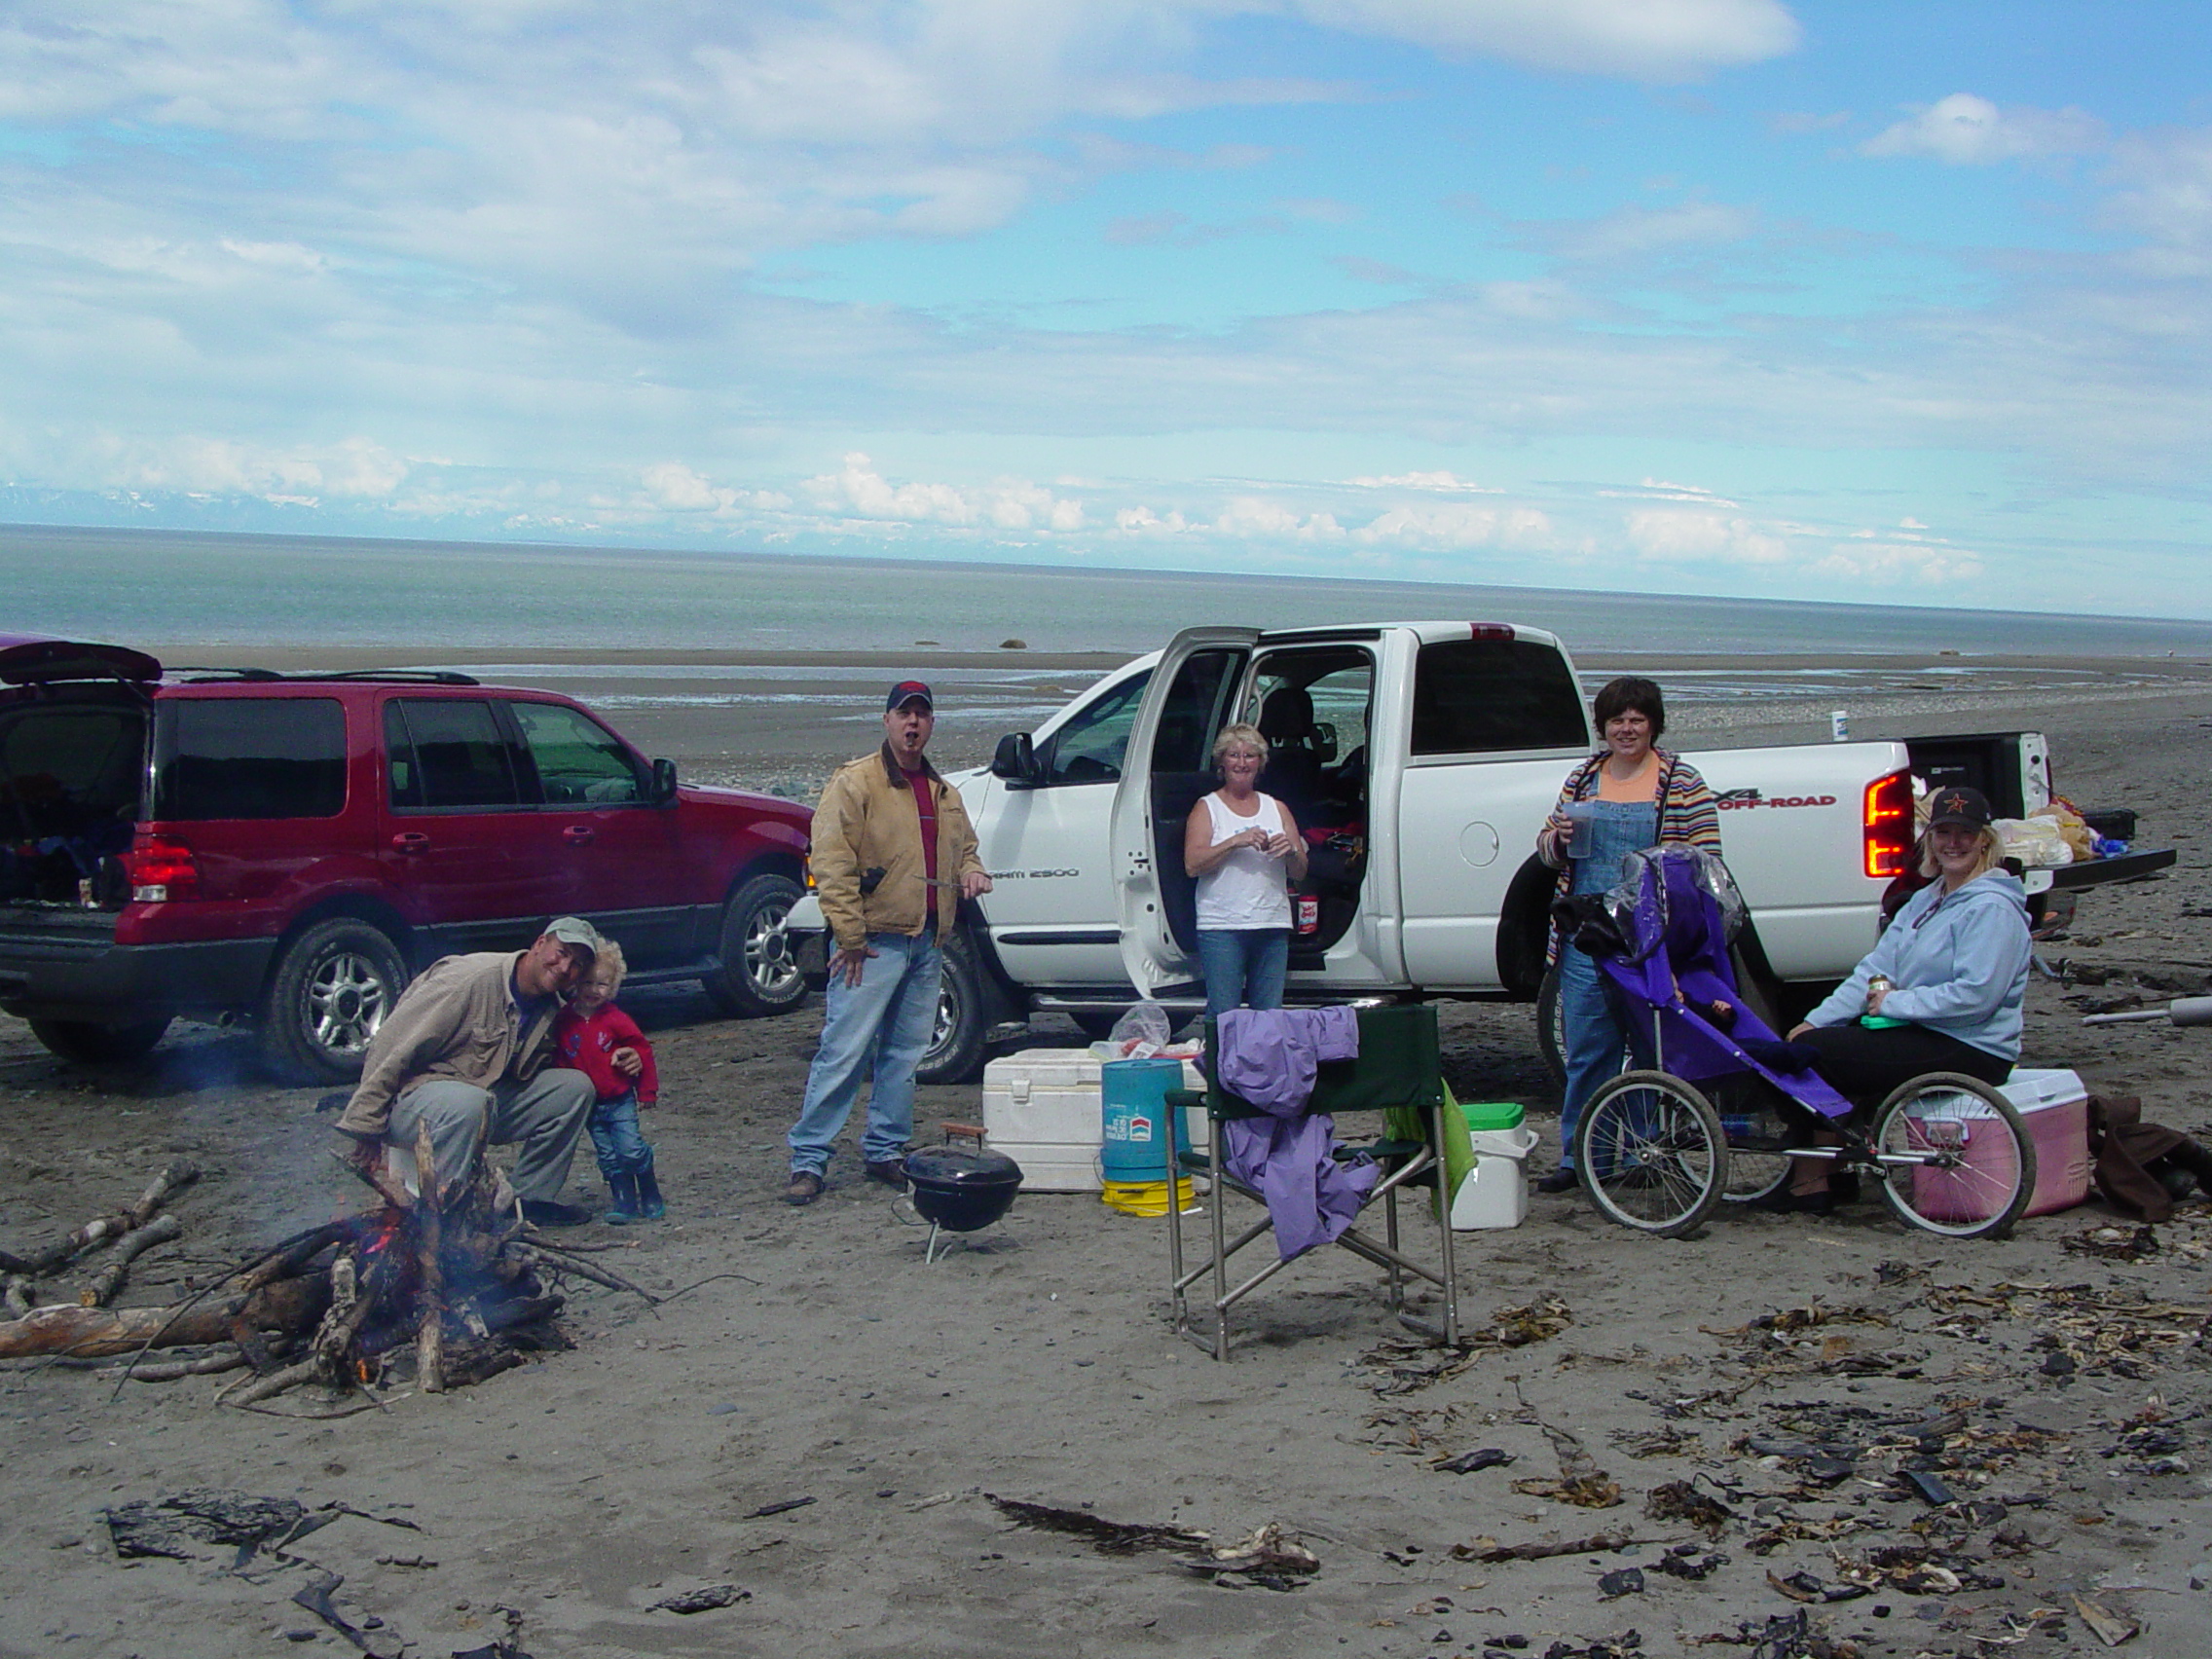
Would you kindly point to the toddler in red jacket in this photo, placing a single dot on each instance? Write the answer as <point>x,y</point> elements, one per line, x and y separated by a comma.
<point>605,1043</point>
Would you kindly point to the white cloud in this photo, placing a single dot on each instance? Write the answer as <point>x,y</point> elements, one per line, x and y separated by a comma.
<point>2165,195</point>
<point>1451,528</point>
<point>354,469</point>
<point>1646,40</point>
<point>1899,564</point>
<point>1252,518</point>
<point>1638,233</point>
<point>1008,505</point>
<point>1443,481</point>
<point>1673,537</point>
<point>1965,129</point>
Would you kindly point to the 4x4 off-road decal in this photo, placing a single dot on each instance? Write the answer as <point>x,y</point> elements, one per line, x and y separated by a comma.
<point>1728,800</point>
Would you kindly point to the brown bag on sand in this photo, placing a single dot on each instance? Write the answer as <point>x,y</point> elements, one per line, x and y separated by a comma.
<point>2125,1146</point>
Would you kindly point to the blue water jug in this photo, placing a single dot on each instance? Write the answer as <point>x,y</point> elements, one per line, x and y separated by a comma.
<point>1133,1101</point>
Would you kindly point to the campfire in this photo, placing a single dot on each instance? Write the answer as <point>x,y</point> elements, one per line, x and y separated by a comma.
<point>434,1288</point>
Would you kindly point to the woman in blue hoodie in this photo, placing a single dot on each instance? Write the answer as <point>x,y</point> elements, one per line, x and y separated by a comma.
<point>1947,980</point>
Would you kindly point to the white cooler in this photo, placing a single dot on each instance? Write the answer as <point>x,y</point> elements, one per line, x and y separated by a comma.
<point>1043,1109</point>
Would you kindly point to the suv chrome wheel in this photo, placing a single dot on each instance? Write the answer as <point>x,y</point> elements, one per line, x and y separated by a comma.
<point>346,1000</point>
<point>759,974</point>
<point>333,986</point>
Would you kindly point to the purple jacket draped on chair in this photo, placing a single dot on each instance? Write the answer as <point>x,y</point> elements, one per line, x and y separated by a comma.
<point>1268,1058</point>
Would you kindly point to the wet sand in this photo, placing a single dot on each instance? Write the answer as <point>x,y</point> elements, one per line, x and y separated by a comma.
<point>2060,1396</point>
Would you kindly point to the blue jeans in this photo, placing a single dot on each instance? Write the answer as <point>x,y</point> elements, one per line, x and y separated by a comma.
<point>882,1024</point>
<point>1244,966</point>
<point>621,1145</point>
<point>1595,1040</point>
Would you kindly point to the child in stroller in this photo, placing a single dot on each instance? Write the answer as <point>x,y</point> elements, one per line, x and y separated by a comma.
<point>1948,1153</point>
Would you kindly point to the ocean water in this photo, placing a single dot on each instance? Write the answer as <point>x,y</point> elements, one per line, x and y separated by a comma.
<point>240,591</point>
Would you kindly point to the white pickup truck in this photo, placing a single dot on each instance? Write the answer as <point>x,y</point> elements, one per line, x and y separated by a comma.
<point>1422,757</point>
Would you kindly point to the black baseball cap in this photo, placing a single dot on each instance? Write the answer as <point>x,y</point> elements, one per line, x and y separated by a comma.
<point>907,692</point>
<point>1955,803</point>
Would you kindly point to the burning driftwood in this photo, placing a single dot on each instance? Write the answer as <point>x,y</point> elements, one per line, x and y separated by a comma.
<point>444,1285</point>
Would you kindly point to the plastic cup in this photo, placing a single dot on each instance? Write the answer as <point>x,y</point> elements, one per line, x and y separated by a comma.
<point>1577,839</point>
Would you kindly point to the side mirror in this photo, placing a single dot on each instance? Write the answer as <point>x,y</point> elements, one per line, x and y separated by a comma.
<point>664,781</point>
<point>1016,759</point>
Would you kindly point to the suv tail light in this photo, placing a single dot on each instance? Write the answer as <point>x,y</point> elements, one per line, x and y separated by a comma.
<point>1888,825</point>
<point>160,869</point>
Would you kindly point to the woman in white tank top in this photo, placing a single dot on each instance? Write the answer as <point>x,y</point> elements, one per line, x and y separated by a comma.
<point>1243,848</point>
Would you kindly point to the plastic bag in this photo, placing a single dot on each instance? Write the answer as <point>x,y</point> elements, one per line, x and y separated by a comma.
<point>1140,1033</point>
<point>2036,842</point>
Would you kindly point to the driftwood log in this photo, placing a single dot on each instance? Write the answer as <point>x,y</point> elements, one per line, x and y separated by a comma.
<point>286,1305</point>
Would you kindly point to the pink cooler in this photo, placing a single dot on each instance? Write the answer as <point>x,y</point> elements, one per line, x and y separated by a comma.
<point>2055,1109</point>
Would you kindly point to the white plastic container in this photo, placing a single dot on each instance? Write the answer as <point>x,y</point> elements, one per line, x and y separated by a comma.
<point>1043,1108</point>
<point>1496,1192</point>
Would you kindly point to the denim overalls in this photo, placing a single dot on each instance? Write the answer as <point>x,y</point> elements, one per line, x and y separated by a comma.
<point>1595,1040</point>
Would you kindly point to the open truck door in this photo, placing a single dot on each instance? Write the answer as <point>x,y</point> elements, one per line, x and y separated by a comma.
<point>1192,696</point>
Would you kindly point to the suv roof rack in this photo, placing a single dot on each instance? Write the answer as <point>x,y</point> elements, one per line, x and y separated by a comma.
<point>266,676</point>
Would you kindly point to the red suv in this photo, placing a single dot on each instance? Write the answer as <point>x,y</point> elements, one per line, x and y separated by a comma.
<point>289,849</point>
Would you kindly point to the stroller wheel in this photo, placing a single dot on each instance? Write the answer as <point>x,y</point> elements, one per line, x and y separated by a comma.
<point>1954,1157</point>
<point>1758,1159</point>
<point>1650,1153</point>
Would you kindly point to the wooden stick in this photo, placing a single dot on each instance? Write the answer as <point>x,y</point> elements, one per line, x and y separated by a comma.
<point>178,1368</point>
<point>275,1384</point>
<point>289,1305</point>
<point>585,1270</point>
<point>102,1229</point>
<point>379,1179</point>
<point>134,1244</point>
<point>430,1336</point>
<point>172,1176</point>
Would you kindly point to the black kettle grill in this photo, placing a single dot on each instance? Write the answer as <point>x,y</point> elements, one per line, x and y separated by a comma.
<point>958,1190</point>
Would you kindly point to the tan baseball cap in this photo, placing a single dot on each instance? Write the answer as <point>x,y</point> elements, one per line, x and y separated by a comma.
<point>575,930</point>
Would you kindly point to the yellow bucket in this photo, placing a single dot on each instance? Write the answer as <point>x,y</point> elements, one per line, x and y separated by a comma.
<point>1144,1197</point>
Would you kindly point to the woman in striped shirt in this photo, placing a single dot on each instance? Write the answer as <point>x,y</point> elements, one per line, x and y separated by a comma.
<point>1629,796</point>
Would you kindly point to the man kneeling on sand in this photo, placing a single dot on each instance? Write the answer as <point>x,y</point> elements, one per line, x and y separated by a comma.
<point>465,1055</point>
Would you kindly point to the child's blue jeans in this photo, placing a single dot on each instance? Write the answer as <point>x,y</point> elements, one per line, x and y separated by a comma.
<point>621,1146</point>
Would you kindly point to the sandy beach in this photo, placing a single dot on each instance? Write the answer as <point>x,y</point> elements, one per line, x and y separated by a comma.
<point>2058,1394</point>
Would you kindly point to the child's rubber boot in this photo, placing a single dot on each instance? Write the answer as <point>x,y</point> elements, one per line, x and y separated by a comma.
<point>624,1209</point>
<point>651,1205</point>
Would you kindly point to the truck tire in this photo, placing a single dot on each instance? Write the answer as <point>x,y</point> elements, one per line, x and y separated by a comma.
<point>333,986</point>
<point>1551,1032</point>
<point>93,1045</point>
<point>759,974</point>
<point>955,1053</point>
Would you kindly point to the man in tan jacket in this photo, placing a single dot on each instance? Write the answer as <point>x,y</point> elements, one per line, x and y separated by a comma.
<point>893,854</point>
<point>464,1053</point>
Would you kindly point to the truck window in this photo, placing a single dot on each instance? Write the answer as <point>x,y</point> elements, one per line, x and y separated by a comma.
<point>1196,710</point>
<point>1312,706</point>
<point>448,753</point>
<point>1483,697</point>
<point>250,757</point>
<point>576,759</point>
<point>1091,744</point>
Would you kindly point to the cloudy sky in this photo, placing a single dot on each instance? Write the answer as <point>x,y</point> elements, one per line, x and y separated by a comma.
<point>1893,300</point>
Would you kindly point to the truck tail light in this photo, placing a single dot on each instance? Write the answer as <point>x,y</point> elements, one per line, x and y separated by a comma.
<point>1888,824</point>
<point>160,869</point>
<point>1492,633</point>
<point>806,866</point>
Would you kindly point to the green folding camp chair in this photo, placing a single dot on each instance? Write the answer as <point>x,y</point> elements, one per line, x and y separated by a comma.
<point>1399,1073</point>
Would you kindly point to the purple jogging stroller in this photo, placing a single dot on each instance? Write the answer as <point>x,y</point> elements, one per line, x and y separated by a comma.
<point>1715,1104</point>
